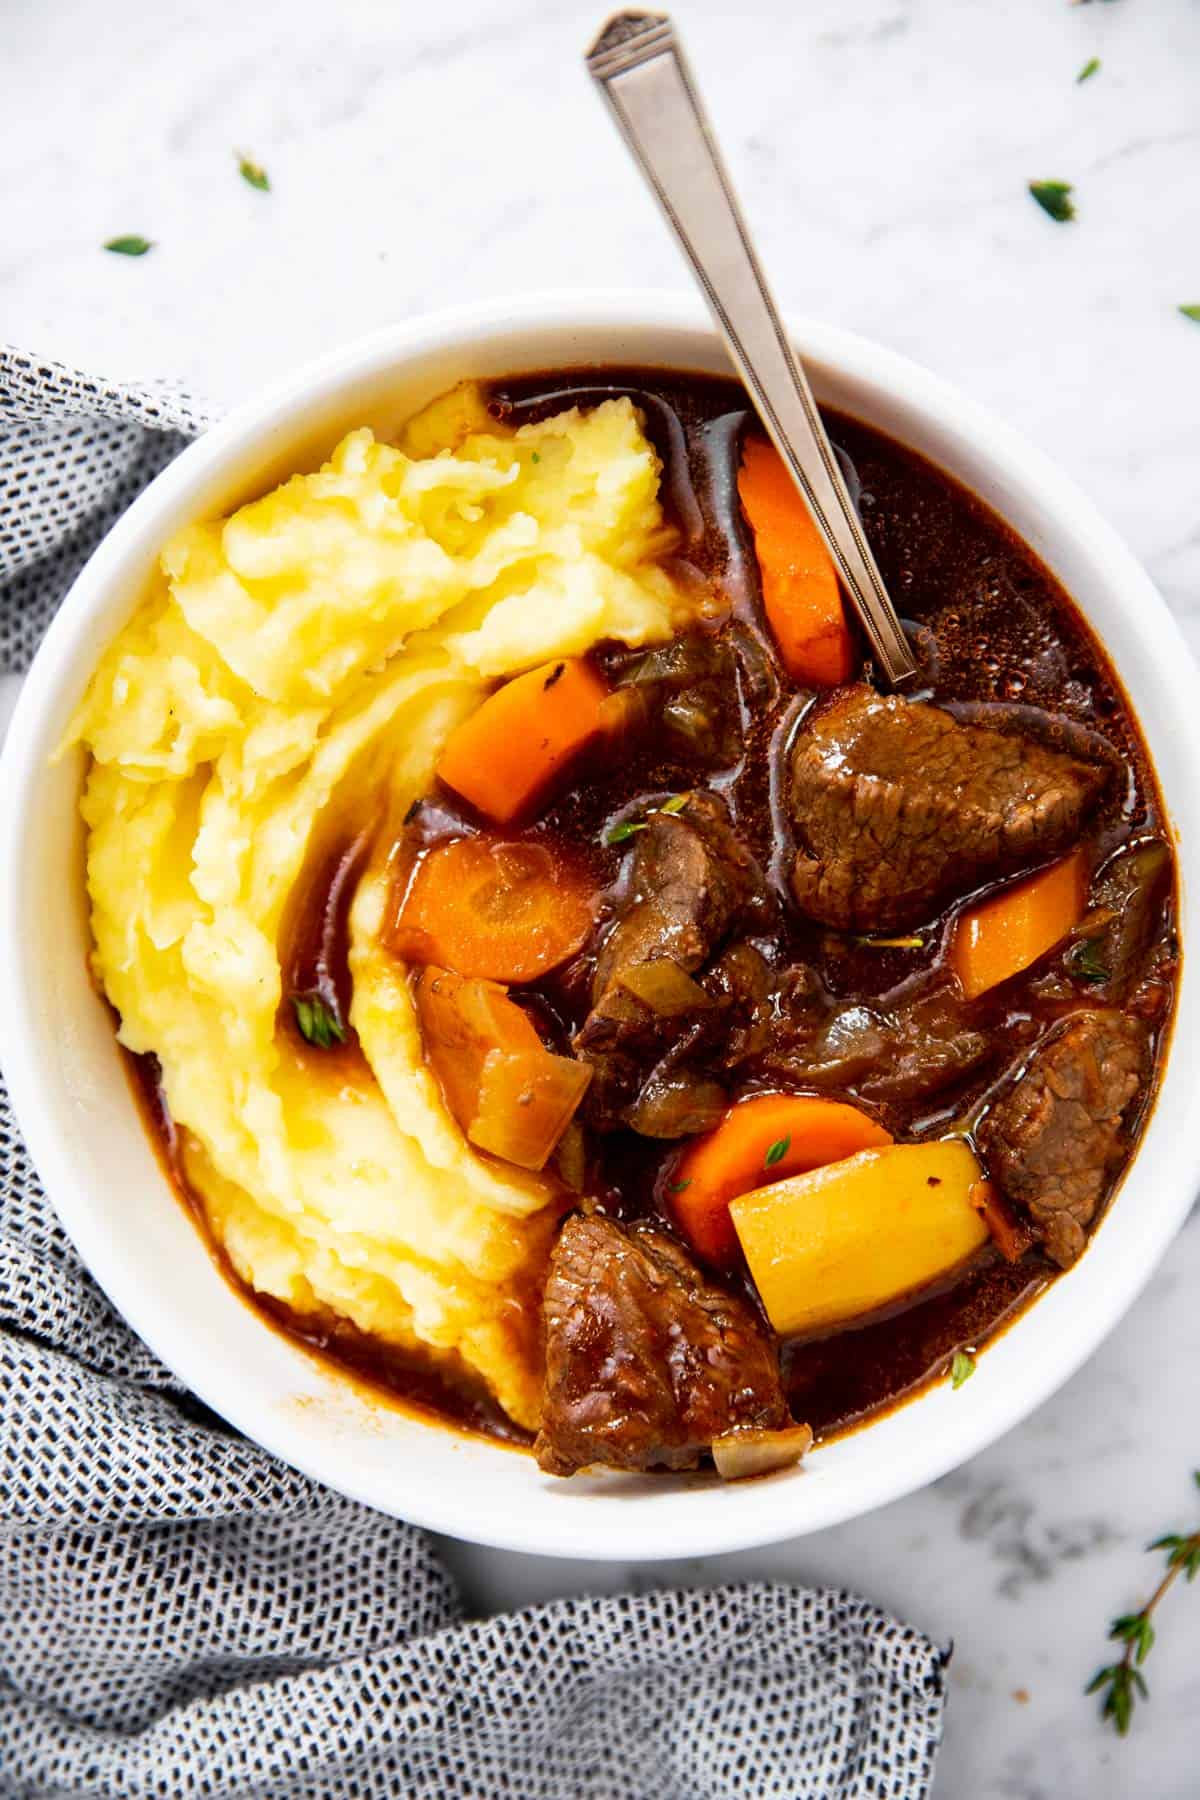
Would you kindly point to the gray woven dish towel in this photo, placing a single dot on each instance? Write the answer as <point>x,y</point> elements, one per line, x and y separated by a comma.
<point>182,1615</point>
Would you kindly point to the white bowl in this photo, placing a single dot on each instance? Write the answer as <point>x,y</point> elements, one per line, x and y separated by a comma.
<point>87,1139</point>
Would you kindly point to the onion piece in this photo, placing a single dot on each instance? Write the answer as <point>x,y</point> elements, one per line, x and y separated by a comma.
<point>664,987</point>
<point>677,1105</point>
<point>509,1094</point>
<point>527,1098</point>
<point>740,1454</point>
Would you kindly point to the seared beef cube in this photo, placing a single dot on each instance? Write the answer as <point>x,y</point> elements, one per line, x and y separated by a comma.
<point>898,807</point>
<point>742,985</point>
<point>1055,1139</point>
<point>646,1361</point>
<point>691,882</point>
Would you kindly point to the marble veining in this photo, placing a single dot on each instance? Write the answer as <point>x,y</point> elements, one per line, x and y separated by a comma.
<point>423,156</point>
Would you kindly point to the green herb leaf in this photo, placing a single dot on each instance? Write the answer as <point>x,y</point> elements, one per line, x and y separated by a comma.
<point>870,941</point>
<point>962,1368</point>
<point>1117,1704</point>
<point>1135,1630</point>
<point>675,804</point>
<point>1054,197</point>
<point>535,457</point>
<point>1122,1683</point>
<point>252,172</point>
<point>777,1152</point>
<point>129,246</point>
<point>1085,963</point>
<point>318,1023</point>
<point>624,830</point>
<point>1191,311</point>
<point>677,1187</point>
<point>1091,67</point>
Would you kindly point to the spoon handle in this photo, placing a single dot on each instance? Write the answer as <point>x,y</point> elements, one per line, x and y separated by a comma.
<point>638,63</point>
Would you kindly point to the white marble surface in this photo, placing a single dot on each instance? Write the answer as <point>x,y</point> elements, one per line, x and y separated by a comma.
<point>420,156</point>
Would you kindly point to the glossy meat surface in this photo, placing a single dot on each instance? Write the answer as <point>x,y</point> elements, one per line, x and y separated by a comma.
<point>899,807</point>
<point>691,882</point>
<point>647,1361</point>
<point>1055,1139</point>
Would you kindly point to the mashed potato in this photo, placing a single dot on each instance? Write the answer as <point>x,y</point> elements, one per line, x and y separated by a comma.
<point>297,665</point>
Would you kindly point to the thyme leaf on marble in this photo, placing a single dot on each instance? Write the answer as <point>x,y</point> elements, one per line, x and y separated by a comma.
<point>1121,1684</point>
<point>252,172</point>
<point>1054,198</point>
<point>1091,67</point>
<point>318,1022</point>
<point>130,245</point>
<point>1191,312</point>
<point>962,1368</point>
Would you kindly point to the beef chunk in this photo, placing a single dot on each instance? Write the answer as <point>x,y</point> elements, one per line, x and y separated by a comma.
<point>741,984</point>
<point>898,806</point>
<point>1057,1137</point>
<point>692,880</point>
<point>646,1361</point>
<point>691,883</point>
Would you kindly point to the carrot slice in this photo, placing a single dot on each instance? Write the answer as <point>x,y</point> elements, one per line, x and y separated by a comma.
<point>508,753</point>
<point>760,1140</point>
<point>801,597</point>
<point>1013,1236</point>
<point>484,907</point>
<point>1002,936</point>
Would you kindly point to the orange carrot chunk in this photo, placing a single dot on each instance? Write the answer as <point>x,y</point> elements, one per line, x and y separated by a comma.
<point>1013,1236</point>
<point>1007,933</point>
<point>801,597</point>
<point>483,907</point>
<point>507,755</point>
<point>760,1140</point>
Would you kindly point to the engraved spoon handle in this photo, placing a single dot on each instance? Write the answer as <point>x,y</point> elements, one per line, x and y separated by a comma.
<point>639,65</point>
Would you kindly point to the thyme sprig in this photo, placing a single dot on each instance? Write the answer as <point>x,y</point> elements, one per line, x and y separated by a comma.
<point>622,832</point>
<point>317,1021</point>
<point>1121,1684</point>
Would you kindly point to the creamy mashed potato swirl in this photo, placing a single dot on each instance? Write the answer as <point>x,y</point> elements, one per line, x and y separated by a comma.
<point>298,666</point>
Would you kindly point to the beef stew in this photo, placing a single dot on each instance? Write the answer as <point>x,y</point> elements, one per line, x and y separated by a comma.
<point>901,969</point>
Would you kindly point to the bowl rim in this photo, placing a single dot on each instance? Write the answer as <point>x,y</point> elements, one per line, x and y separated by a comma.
<point>621,1529</point>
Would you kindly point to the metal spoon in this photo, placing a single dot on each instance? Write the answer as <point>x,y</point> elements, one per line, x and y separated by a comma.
<point>638,63</point>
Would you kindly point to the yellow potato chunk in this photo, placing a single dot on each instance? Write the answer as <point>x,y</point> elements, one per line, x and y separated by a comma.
<point>848,1238</point>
